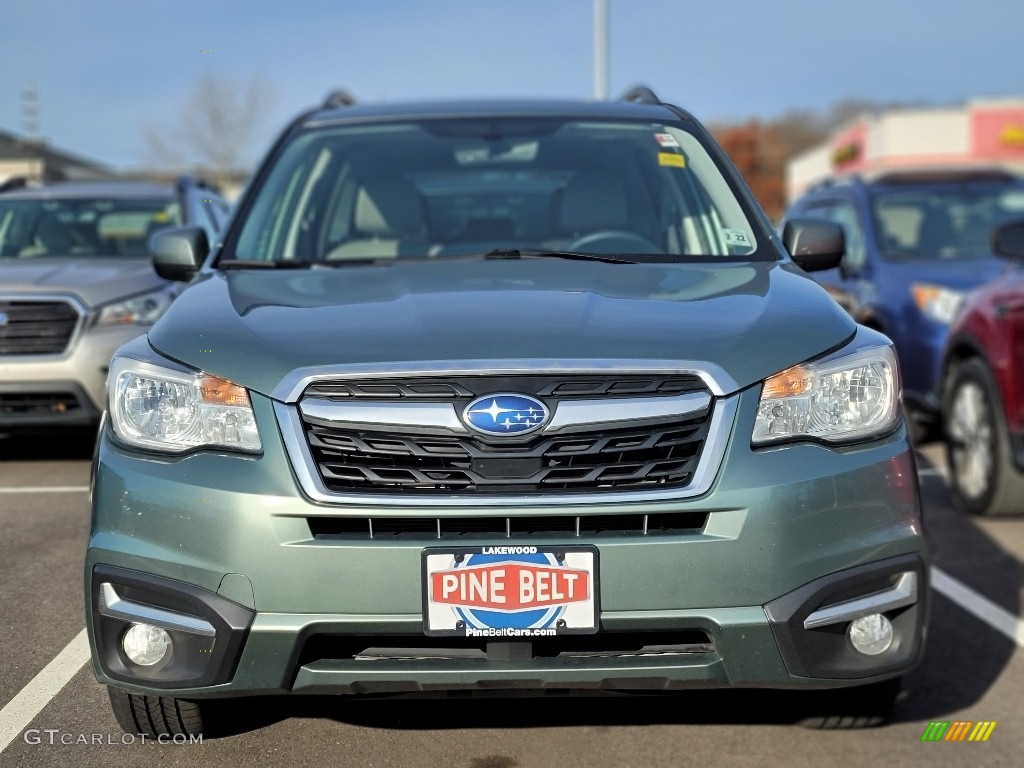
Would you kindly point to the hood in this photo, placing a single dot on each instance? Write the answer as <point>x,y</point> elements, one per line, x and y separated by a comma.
<point>254,327</point>
<point>94,280</point>
<point>960,274</point>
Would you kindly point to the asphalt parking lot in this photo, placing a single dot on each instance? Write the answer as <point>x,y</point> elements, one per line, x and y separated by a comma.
<point>52,712</point>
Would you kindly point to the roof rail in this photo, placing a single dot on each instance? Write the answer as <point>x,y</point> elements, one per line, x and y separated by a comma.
<point>339,98</point>
<point>841,179</point>
<point>640,94</point>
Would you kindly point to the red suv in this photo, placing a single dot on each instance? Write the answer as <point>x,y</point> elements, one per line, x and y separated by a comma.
<point>983,389</point>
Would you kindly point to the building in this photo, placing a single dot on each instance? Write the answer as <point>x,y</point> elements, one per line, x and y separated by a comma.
<point>38,161</point>
<point>35,161</point>
<point>983,132</point>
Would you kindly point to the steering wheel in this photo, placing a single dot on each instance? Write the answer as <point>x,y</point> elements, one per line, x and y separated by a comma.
<point>614,241</point>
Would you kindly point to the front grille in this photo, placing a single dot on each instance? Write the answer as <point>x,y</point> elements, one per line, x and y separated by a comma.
<point>657,452</point>
<point>425,528</point>
<point>371,461</point>
<point>38,403</point>
<point>36,327</point>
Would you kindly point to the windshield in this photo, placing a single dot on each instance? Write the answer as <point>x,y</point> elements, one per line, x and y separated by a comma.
<point>470,186</point>
<point>81,227</point>
<point>947,222</point>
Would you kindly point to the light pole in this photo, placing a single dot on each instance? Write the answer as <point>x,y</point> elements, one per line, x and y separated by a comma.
<point>601,50</point>
<point>30,121</point>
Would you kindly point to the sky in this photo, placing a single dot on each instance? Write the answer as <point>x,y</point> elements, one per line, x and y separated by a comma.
<point>105,69</point>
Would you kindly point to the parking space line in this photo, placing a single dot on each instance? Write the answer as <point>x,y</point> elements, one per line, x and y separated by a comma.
<point>47,489</point>
<point>22,709</point>
<point>980,606</point>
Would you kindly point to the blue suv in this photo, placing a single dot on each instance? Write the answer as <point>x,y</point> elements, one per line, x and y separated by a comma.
<point>916,243</point>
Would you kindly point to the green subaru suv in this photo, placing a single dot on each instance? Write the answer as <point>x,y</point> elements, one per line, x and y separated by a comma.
<point>479,396</point>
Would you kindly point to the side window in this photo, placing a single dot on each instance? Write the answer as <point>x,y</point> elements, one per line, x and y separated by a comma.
<point>845,215</point>
<point>820,210</point>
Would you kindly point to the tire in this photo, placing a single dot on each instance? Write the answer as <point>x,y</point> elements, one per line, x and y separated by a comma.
<point>865,706</point>
<point>982,477</point>
<point>156,716</point>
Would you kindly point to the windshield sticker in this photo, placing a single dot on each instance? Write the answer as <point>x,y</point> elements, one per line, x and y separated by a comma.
<point>671,159</point>
<point>666,139</point>
<point>736,237</point>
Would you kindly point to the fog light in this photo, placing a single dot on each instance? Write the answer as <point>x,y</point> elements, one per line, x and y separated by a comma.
<point>871,634</point>
<point>146,645</point>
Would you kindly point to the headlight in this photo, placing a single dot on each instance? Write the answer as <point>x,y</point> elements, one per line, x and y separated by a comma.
<point>936,302</point>
<point>838,399</point>
<point>172,411</point>
<point>138,310</point>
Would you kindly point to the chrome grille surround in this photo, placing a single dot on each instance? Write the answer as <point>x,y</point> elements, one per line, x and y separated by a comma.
<point>718,427</point>
<point>715,379</point>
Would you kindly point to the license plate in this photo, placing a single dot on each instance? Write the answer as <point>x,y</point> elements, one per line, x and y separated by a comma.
<point>510,591</point>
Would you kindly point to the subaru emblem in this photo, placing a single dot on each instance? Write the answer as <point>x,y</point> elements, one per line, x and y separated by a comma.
<point>505,414</point>
<point>3,319</point>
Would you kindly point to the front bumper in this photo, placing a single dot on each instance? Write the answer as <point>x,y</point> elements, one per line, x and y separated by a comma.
<point>302,654</point>
<point>782,521</point>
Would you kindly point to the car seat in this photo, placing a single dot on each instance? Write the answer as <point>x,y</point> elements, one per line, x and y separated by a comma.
<point>593,201</point>
<point>388,220</point>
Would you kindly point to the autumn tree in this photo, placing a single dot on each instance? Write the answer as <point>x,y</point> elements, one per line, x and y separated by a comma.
<point>759,155</point>
<point>761,150</point>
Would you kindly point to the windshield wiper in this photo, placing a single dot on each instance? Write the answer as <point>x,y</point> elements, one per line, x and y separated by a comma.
<point>261,264</point>
<point>301,263</point>
<point>526,253</point>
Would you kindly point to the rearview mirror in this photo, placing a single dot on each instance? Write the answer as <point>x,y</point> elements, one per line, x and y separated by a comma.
<point>179,252</point>
<point>1008,240</point>
<point>814,244</point>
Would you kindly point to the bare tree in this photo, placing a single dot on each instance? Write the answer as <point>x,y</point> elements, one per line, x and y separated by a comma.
<point>214,127</point>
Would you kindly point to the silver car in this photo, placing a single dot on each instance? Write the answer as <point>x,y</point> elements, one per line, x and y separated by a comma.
<point>75,284</point>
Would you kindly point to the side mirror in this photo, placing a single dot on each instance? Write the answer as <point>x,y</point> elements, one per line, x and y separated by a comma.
<point>814,244</point>
<point>1008,240</point>
<point>179,252</point>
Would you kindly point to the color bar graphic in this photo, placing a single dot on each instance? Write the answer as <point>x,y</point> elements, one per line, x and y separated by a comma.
<point>982,730</point>
<point>958,730</point>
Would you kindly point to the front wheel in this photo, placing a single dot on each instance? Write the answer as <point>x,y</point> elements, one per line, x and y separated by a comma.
<point>158,717</point>
<point>863,706</point>
<point>983,478</point>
